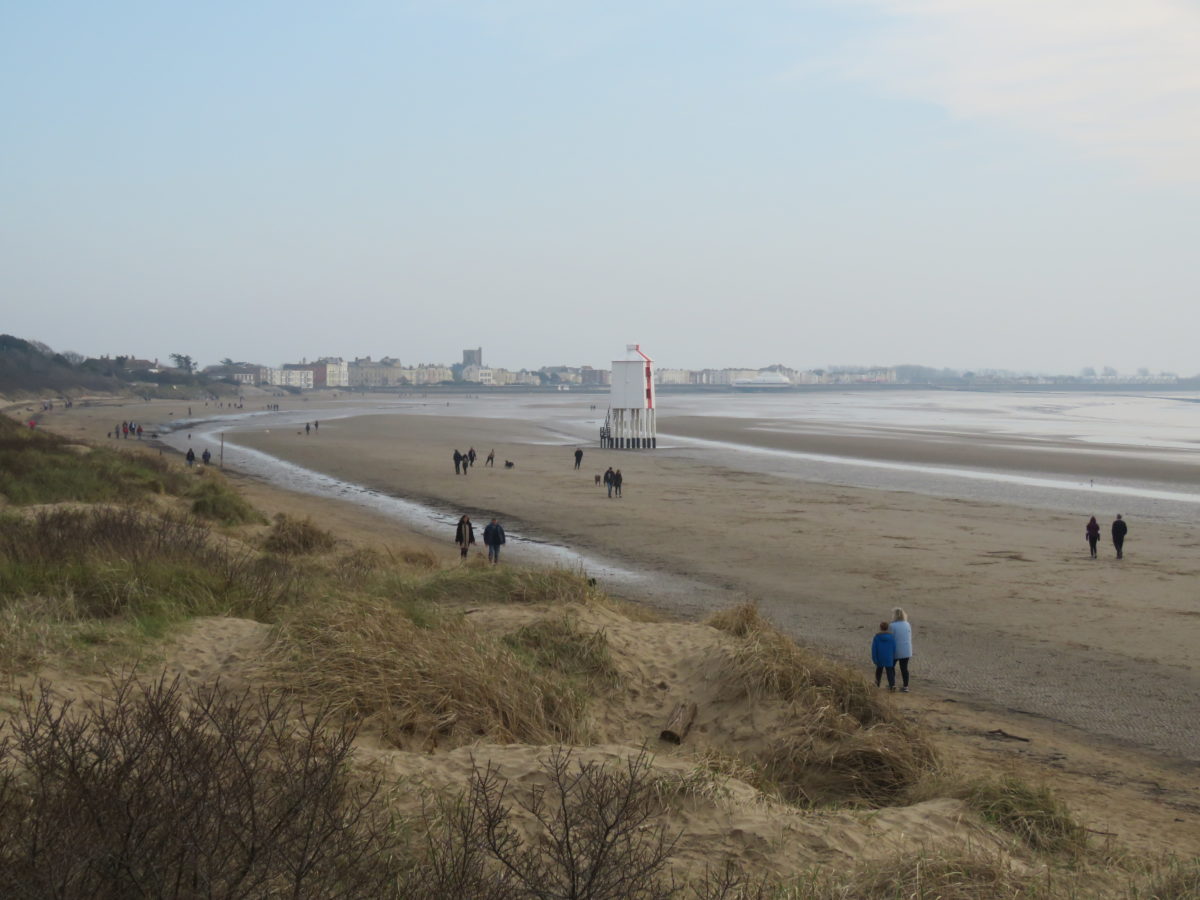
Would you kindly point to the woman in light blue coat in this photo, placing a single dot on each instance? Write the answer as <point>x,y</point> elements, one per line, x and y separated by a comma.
<point>904,648</point>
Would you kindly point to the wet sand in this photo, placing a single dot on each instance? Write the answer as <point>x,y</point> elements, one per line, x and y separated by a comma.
<point>1007,607</point>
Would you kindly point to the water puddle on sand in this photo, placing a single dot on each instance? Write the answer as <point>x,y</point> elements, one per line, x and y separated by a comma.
<point>1041,491</point>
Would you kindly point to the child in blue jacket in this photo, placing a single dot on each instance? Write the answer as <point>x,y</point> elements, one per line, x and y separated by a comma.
<point>883,654</point>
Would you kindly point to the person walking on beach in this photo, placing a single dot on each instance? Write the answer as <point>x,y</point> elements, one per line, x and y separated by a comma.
<point>883,654</point>
<point>457,461</point>
<point>191,457</point>
<point>1119,530</point>
<point>307,428</point>
<point>464,536</point>
<point>608,480</point>
<point>618,480</point>
<point>901,630</point>
<point>471,456</point>
<point>491,459</point>
<point>493,537</point>
<point>1092,534</point>
<point>578,457</point>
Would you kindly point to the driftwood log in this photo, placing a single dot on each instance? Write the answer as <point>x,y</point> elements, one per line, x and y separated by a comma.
<point>680,723</point>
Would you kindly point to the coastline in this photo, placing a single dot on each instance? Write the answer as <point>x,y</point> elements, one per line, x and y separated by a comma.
<point>1060,636</point>
<point>1149,798</point>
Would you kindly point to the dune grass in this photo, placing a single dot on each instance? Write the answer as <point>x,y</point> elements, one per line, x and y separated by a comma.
<point>1031,812</point>
<point>38,467</point>
<point>557,644</point>
<point>213,498</point>
<point>65,571</point>
<point>421,674</point>
<point>293,537</point>
<point>845,742</point>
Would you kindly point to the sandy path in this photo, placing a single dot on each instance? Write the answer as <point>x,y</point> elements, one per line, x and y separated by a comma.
<point>1007,606</point>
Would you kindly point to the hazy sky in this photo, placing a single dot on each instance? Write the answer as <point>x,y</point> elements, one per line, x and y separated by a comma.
<point>965,183</point>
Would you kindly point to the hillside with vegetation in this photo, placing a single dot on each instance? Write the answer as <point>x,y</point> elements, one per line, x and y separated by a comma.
<point>205,701</point>
<point>31,369</point>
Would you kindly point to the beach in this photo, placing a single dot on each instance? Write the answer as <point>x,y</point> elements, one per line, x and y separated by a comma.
<point>1009,611</point>
<point>1003,670</point>
<point>1008,608</point>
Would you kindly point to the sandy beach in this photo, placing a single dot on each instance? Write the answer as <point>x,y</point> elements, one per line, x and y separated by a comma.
<point>1017,631</point>
<point>1009,610</point>
<point>1008,607</point>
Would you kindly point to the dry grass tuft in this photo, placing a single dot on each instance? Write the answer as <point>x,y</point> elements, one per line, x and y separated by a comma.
<point>559,645</point>
<point>1177,880</point>
<point>213,498</point>
<point>846,743</point>
<point>292,537</point>
<point>929,876</point>
<point>1033,813</point>
<point>740,620</point>
<point>419,674</point>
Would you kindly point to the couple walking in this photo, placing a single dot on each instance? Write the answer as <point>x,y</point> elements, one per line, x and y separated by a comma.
<point>493,537</point>
<point>892,645</point>
<point>1119,530</point>
<point>613,481</point>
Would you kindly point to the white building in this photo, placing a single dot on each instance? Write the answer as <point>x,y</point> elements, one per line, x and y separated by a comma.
<point>297,378</point>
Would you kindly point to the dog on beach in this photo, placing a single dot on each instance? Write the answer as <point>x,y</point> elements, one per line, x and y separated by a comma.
<point>599,480</point>
<point>508,464</point>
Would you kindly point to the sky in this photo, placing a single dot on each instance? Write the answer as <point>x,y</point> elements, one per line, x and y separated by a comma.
<point>971,184</point>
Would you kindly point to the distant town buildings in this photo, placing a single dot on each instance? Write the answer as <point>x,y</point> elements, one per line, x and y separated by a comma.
<point>365,373</point>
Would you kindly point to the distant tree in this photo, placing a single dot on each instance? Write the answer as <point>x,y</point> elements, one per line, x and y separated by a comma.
<point>1108,372</point>
<point>228,362</point>
<point>73,357</point>
<point>1143,372</point>
<point>1087,372</point>
<point>182,361</point>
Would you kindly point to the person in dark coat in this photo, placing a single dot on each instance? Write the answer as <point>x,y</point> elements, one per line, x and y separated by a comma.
<point>578,456</point>
<point>1092,534</point>
<point>493,537</point>
<point>206,456</point>
<point>464,536</point>
<point>458,458</point>
<point>617,480</point>
<point>883,654</point>
<point>1119,530</point>
<point>471,456</point>
<point>608,480</point>
<point>191,457</point>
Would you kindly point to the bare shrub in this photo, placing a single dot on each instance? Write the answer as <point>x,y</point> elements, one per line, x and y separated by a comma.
<point>590,835</point>
<point>166,792</point>
<point>292,536</point>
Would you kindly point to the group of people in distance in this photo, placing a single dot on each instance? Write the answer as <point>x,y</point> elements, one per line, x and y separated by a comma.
<point>464,461</point>
<point>1119,529</point>
<point>493,538</point>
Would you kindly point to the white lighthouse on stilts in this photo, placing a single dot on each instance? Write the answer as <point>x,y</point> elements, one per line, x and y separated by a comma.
<point>630,424</point>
